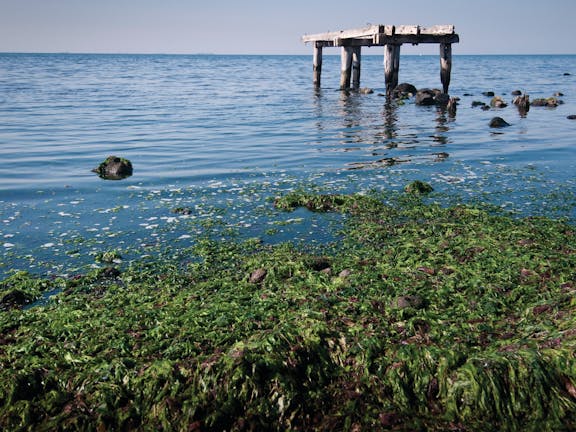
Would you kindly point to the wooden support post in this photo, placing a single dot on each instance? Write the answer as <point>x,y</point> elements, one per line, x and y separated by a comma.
<point>356,57</point>
<point>391,66</point>
<point>346,68</point>
<point>317,64</point>
<point>445,65</point>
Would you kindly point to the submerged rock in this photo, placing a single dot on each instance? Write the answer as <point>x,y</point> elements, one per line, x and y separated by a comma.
<point>498,122</point>
<point>114,168</point>
<point>571,117</point>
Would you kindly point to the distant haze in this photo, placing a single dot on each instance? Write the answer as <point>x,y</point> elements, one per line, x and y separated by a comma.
<point>270,27</point>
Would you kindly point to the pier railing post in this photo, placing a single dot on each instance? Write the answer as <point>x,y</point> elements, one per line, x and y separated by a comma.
<point>346,68</point>
<point>391,66</point>
<point>317,64</point>
<point>356,59</point>
<point>445,65</point>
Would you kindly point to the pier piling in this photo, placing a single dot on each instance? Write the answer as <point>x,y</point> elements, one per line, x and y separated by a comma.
<point>391,38</point>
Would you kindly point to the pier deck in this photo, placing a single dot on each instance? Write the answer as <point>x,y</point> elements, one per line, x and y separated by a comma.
<point>391,38</point>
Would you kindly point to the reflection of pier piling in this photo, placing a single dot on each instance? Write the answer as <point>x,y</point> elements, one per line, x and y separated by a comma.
<point>391,38</point>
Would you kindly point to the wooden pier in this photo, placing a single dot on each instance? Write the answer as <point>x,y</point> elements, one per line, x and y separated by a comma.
<point>391,38</point>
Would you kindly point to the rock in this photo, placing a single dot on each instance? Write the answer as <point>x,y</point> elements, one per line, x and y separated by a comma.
<point>497,102</point>
<point>441,156</point>
<point>258,276</point>
<point>109,273</point>
<point>114,168</point>
<point>182,210</point>
<point>408,301</point>
<point>546,102</point>
<point>344,273</point>
<point>418,187</point>
<point>567,74</point>
<point>478,104</point>
<point>404,90</point>
<point>428,97</point>
<point>516,93</point>
<point>571,117</point>
<point>498,122</point>
<point>318,263</point>
<point>488,93</point>
<point>425,97</point>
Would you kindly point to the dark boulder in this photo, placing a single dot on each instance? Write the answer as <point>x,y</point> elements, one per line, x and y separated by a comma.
<point>429,97</point>
<point>114,168</point>
<point>404,90</point>
<point>516,93</point>
<point>488,93</point>
<point>571,117</point>
<point>425,97</point>
<point>498,122</point>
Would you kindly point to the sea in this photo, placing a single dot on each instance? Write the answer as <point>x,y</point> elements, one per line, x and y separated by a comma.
<point>214,139</point>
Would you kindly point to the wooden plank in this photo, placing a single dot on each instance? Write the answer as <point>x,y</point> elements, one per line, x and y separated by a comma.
<point>438,30</point>
<point>407,30</point>
<point>383,39</point>
<point>379,34</point>
<point>363,32</point>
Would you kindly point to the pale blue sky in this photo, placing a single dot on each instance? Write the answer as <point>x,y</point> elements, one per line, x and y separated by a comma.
<point>275,27</point>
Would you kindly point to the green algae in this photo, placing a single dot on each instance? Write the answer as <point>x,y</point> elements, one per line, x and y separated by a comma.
<point>419,317</point>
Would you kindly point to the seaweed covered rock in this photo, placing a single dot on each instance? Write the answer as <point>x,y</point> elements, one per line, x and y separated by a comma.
<point>418,187</point>
<point>114,168</point>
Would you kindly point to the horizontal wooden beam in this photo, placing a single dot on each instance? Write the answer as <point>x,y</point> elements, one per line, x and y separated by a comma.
<point>383,39</point>
<point>377,35</point>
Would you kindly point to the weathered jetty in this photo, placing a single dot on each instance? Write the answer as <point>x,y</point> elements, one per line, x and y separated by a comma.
<point>391,38</point>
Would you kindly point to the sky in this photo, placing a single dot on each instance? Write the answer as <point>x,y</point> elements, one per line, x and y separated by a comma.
<point>275,27</point>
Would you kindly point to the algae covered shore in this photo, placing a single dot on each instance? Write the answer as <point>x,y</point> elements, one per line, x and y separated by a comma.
<point>416,317</point>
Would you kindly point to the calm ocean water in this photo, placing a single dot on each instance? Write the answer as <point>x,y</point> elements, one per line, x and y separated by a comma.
<point>222,135</point>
